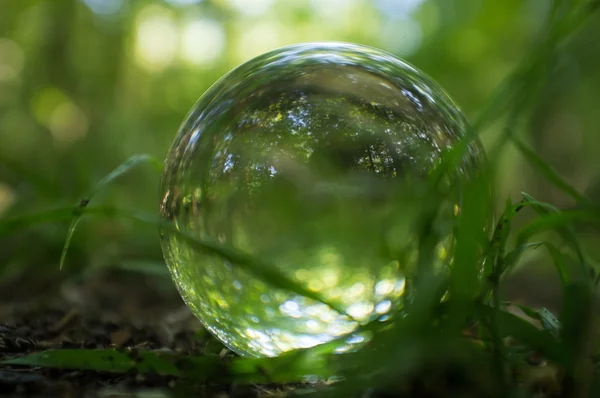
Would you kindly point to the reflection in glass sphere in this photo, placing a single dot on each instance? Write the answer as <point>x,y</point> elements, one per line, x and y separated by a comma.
<point>302,157</point>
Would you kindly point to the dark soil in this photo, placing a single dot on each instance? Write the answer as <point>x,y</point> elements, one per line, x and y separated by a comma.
<point>106,310</point>
<point>112,309</point>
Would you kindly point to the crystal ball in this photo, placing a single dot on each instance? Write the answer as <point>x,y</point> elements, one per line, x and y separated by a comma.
<point>301,160</point>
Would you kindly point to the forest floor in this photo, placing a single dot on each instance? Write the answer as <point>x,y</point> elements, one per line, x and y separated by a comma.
<point>108,310</point>
<point>122,310</point>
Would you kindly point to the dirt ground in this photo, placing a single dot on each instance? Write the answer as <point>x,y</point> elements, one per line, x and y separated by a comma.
<point>107,310</point>
<point>118,309</point>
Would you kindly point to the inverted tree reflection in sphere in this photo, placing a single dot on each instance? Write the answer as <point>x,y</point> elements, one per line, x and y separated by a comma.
<point>301,158</point>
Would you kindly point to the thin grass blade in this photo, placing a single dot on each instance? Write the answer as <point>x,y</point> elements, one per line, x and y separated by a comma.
<point>14,224</point>
<point>122,169</point>
<point>562,223</point>
<point>512,325</point>
<point>264,270</point>
<point>547,171</point>
<point>121,361</point>
<point>471,231</point>
<point>578,335</point>
<point>559,262</point>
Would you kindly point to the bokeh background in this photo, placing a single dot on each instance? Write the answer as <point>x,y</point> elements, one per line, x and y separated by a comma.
<point>84,84</point>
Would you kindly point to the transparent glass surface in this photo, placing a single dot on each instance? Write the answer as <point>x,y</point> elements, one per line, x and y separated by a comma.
<point>301,158</point>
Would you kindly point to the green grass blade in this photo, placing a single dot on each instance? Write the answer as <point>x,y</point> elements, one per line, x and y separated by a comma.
<point>512,94</point>
<point>240,259</point>
<point>123,168</point>
<point>547,171</point>
<point>471,231</point>
<point>142,267</point>
<point>260,269</point>
<point>70,232</point>
<point>565,228</point>
<point>289,367</point>
<point>512,325</point>
<point>121,361</point>
<point>537,205</point>
<point>559,262</point>
<point>495,257</point>
<point>579,337</point>
<point>511,259</point>
<point>14,224</point>
<point>555,220</point>
<point>501,233</point>
<point>44,185</point>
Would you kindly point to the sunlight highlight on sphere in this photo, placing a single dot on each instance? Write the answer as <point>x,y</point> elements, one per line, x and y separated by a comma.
<point>305,159</point>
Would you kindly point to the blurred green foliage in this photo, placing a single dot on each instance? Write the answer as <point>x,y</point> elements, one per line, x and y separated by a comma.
<point>86,84</point>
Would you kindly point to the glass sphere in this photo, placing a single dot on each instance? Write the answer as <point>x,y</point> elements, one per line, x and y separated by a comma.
<point>300,158</point>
